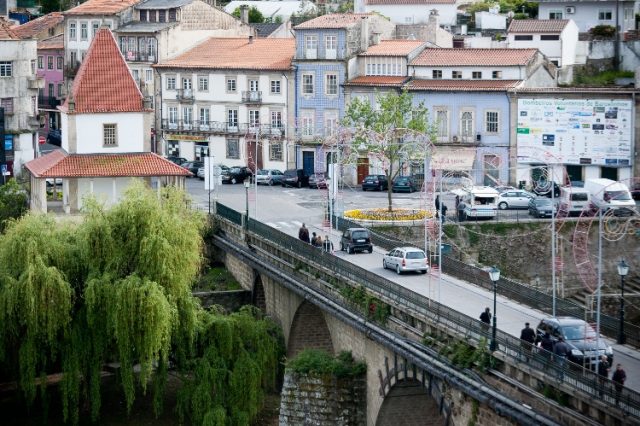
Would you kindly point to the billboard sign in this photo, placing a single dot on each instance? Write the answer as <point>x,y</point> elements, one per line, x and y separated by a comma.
<point>575,131</point>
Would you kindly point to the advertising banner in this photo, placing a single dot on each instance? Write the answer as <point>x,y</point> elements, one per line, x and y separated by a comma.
<point>575,131</point>
<point>460,159</point>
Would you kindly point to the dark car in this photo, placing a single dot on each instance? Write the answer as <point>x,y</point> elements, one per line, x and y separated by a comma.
<point>356,239</point>
<point>177,160</point>
<point>541,207</point>
<point>318,181</point>
<point>236,174</point>
<point>403,184</point>
<point>544,189</point>
<point>375,183</point>
<point>295,177</point>
<point>580,337</point>
<point>54,137</point>
<point>635,190</point>
<point>192,166</point>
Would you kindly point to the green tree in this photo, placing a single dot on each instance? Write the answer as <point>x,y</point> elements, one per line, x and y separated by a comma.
<point>395,133</point>
<point>13,202</point>
<point>255,16</point>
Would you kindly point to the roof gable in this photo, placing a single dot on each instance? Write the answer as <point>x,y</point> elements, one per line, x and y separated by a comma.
<point>445,57</point>
<point>103,82</point>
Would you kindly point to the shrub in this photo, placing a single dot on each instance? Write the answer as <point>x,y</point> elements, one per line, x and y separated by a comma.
<point>603,31</point>
<point>317,362</point>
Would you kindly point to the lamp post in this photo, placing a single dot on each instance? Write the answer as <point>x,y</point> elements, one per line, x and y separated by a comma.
<point>494,275</point>
<point>247,184</point>
<point>623,270</point>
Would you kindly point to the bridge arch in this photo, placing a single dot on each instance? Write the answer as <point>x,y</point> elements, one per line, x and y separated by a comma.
<point>409,404</point>
<point>309,330</point>
<point>258,298</point>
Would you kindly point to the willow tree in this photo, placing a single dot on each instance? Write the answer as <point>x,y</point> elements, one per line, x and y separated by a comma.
<point>395,133</point>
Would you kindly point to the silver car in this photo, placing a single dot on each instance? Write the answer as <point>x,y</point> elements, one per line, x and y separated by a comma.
<point>269,177</point>
<point>403,259</point>
<point>517,199</point>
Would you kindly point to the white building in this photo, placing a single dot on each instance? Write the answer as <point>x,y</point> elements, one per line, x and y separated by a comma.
<point>588,14</point>
<point>274,10</point>
<point>555,38</point>
<point>409,12</point>
<point>106,129</point>
<point>491,20</point>
<point>222,95</point>
<point>19,86</point>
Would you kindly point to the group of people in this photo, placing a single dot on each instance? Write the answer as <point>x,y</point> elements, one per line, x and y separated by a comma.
<point>315,240</point>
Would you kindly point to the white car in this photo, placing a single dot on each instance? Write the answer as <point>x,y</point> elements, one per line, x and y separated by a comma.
<point>517,199</point>
<point>269,177</point>
<point>403,259</point>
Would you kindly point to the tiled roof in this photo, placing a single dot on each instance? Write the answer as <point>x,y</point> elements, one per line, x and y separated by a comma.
<point>393,48</point>
<point>43,23</point>
<point>7,31</point>
<point>441,57</point>
<point>59,164</point>
<point>402,2</point>
<point>103,82</point>
<point>463,85</point>
<point>237,53</point>
<point>265,30</point>
<point>55,42</point>
<point>537,25</point>
<point>162,4</point>
<point>334,20</point>
<point>101,7</point>
<point>145,27</point>
<point>377,81</point>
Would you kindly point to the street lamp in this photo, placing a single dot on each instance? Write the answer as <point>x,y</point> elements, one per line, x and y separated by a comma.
<point>247,184</point>
<point>623,270</point>
<point>494,275</point>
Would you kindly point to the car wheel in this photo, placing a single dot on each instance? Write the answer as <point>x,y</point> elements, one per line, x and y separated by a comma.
<point>299,184</point>
<point>341,246</point>
<point>384,264</point>
<point>503,206</point>
<point>398,270</point>
<point>349,249</point>
<point>270,183</point>
<point>234,181</point>
<point>423,272</point>
<point>381,188</point>
<point>364,189</point>
<point>371,250</point>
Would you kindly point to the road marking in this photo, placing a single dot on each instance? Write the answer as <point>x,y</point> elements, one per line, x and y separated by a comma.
<point>296,223</point>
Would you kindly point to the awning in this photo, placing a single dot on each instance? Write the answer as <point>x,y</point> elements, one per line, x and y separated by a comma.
<point>460,159</point>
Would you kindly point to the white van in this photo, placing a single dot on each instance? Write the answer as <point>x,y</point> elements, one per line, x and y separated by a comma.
<point>609,194</point>
<point>479,201</point>
<point>573,200</point>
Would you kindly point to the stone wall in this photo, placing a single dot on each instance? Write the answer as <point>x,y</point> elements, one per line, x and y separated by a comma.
<point>322,401</point>
<point>231,300</point>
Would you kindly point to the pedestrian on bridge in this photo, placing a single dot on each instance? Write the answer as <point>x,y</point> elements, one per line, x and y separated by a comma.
<point>546,344</point>
<point>303,234</point>
<point>561,351</point>
<point>485,317</point>
<point>603,372</point>
<point>528,337</point>
<point>618,378</point>
<point>314,240</point>
<point>327,245</point>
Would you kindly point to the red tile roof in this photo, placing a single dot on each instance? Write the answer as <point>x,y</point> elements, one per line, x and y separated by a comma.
<point>377,81</point>
<point>393,48</point>
<point>59,164</point>
<point>43,23</point>
<point>103,82</point>
<point>55,42</point>
<point>439,57</point>
<point>463,85</point>
<point>401,2</point>
<point>7,30</point>
<point>334,20</point>
<point>101,7</point>
<point>273,54</point>
<point>537,25</point>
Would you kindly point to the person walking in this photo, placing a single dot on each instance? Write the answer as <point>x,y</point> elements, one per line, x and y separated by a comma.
<point>546,344</point>
<point>327,245</point>
<point>303,234</point>
<point>485,317</point>
<point>314,240</point>
<point>618,378</point>
<point>318,242</point>
<point>528,337</point>
<point>460,207</point>
<point>603,373</point>
<point>561,351</point>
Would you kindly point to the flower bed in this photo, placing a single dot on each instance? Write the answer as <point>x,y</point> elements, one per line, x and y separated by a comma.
<point>384,215</point>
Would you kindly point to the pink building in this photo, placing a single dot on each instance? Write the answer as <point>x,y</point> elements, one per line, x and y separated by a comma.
<point>50,67</point>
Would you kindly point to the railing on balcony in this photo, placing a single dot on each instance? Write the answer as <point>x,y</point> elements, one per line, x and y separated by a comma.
<point>253,96</point>
<point>185,95</point>
<point>48,102</point>
<point>140,57</point>
<point>218,127</point>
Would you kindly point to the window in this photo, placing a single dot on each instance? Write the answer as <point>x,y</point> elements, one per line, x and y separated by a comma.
<point>6,68</point>
<point>110,134</point>
<point>442,121</point>
<point>253,85</point>
<point>331,42</point>
<point>549,37</point>
<point>628,13</point>
<point>84,33</point>
<point>49,62</point>
<point>148,75</point>
<point>72,31</point>
<point>331,84</point>
<point>74,58</point>
<point>172,15</point>
<point>60,90</point>
<point>307,84</point>
<point>275,151</point>
<point>524,37</point>
<point>204,115</point>
<point>276,119</point>
<point>491,122</point>
<point>187,115</point>
<point>476,74</point>
<point>171,83</point>
<point>173,115</point>
<point>555,14</point>
<point>496,74</point>
<point>152,16</point>
<point>232,118</point>
<point>136,75</point>
<point>151,49</point>
<point>254,117</point>
<point>203,84</point>
<point>605,15</point>
<point>94,28</point>
<point>307,123</point>
<point>330,122</point>
<point>466,124</point>
<point>40,62</point>
<point>59,62</point>
<point>233,148</point>
<point>231,84</point>
<point>186,83</point>
<point>437,74</point>
<point>311,42</point>
<point>51,90</point>
<point>456,74</point>
<point>162,16</point>
<point>143,16</point>
<point>275,87</point>
<point>7,104</point>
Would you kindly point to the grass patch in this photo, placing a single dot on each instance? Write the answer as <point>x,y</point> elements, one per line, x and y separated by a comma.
<point>605,78</point>
<point>319,363</point>
<point>217,278</point>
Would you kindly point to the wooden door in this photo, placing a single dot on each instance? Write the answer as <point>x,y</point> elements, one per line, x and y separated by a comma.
<point>363,169</point>
<point>251,155</point>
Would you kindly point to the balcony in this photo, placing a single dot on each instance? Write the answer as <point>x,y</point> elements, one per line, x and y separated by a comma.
<point>457,140</point>
<point>185,95</point>
<point>70,70</point>
<point>140,57</point>
<point>252,97</point>
<point>35,82</point>
<point>223,128</point>
<point>48,102</point>
<point>33,121</point>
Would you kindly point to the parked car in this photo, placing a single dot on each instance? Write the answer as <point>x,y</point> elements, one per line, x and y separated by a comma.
<point>177,160</point>
<point>541,207</point>
<point>295,177</point>
<point>222,167</point>
<point>403,184</point>
<point>375,183</point>
<point>54,137</point>
<point>269,177</point>
<point>236,174</point>
<point>318,181</point>
<point>356,239</point>
<point>193,166</point>
<point>504,188</point>
<point>403,259</point>
<point>517,199</point>
<point>580,337</point>
<point>545,190</point>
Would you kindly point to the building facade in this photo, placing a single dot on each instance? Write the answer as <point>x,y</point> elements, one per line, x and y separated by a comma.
<point>589,14</point>
<point>409,12</point>
<point>555,38</point>
<point>50,69</point>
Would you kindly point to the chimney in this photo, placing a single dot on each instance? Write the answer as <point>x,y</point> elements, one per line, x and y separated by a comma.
<point>250,39</point>
<point>375,38</point>
<point>433,16</point>
<point>244,14</point>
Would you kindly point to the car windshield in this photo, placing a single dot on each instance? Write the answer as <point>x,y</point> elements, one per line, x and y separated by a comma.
<point>402,180</point>
<point>235,170</point>
<point>542,201</point>
<point>415,255</point>
<point>579,197</point>
<point>360,234</point>
<point>617,195</point>
<point>578,332</point>
<point>370,178</point>
<point>290,173</point>
<point>263,172</point>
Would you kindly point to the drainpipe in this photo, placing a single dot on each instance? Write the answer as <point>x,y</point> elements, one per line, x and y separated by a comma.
<point>295,113</point>
<point>616,48</point>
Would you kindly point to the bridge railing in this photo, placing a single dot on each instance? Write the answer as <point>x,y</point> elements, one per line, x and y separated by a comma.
<point>475,331</point>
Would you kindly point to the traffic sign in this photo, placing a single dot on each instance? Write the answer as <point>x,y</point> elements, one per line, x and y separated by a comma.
<point>41,139</point>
